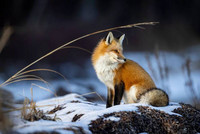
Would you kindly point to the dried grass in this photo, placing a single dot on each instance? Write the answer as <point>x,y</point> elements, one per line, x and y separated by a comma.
<point>76,117</point>
<point>189,84</point>
<point>7,32</point>
<point>56,108</point>
<point>163,70</point>
<point>30,112</point>
<point>151,67</point>
<point>25,76</point>
<point>138,25</point>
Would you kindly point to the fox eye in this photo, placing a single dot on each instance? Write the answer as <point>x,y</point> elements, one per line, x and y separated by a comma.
<point>116,51</point>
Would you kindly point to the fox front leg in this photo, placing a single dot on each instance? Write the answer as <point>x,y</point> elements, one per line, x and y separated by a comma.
<point>110,98</point>
<point>119,91</point>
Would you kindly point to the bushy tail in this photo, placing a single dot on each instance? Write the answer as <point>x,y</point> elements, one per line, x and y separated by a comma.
<point>155,97</point>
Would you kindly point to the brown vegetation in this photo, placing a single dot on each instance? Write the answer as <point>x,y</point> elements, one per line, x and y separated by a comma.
<point>31,113</point>
<point>149,120</point>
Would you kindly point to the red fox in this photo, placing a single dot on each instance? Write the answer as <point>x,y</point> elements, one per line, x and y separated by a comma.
<point>124,78</point>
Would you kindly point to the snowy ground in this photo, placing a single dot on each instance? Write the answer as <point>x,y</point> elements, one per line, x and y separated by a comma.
<point>73,105</point>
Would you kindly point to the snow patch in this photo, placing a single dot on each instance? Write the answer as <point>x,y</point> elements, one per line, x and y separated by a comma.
<point>112,118</point>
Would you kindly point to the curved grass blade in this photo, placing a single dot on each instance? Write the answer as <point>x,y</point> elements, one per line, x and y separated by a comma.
<point>87,35</point>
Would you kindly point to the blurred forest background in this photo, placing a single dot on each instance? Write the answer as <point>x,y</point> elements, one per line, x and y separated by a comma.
<point>39,26</point>
<point>29,29</point>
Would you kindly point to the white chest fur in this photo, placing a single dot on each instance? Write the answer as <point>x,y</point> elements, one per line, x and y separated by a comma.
<point>105,70</point>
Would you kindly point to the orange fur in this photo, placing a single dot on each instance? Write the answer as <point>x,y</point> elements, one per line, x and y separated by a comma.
<point>112,69</point>
<point>133,74</point>
<point>102,48</point>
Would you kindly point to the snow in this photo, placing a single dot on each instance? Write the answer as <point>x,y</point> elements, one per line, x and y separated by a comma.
<point>169,108</point>
<point>75,104</point>
<point>43,125</point>
<point>112,118</point>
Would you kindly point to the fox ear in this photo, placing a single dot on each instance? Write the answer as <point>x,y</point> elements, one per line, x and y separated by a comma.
<point>121,39</point>
<point>109,38</point>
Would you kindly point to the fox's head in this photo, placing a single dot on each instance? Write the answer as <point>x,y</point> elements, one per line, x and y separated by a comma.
<point>110,50</point>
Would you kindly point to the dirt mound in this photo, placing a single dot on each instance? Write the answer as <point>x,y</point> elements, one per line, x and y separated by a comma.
<point>149,120</point>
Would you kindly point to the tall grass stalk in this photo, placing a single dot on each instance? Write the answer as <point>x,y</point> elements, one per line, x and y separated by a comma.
<point>138,25</point>
<point>190,85</point>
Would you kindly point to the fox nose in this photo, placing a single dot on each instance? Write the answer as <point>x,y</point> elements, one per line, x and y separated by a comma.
<point>122,59</point>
